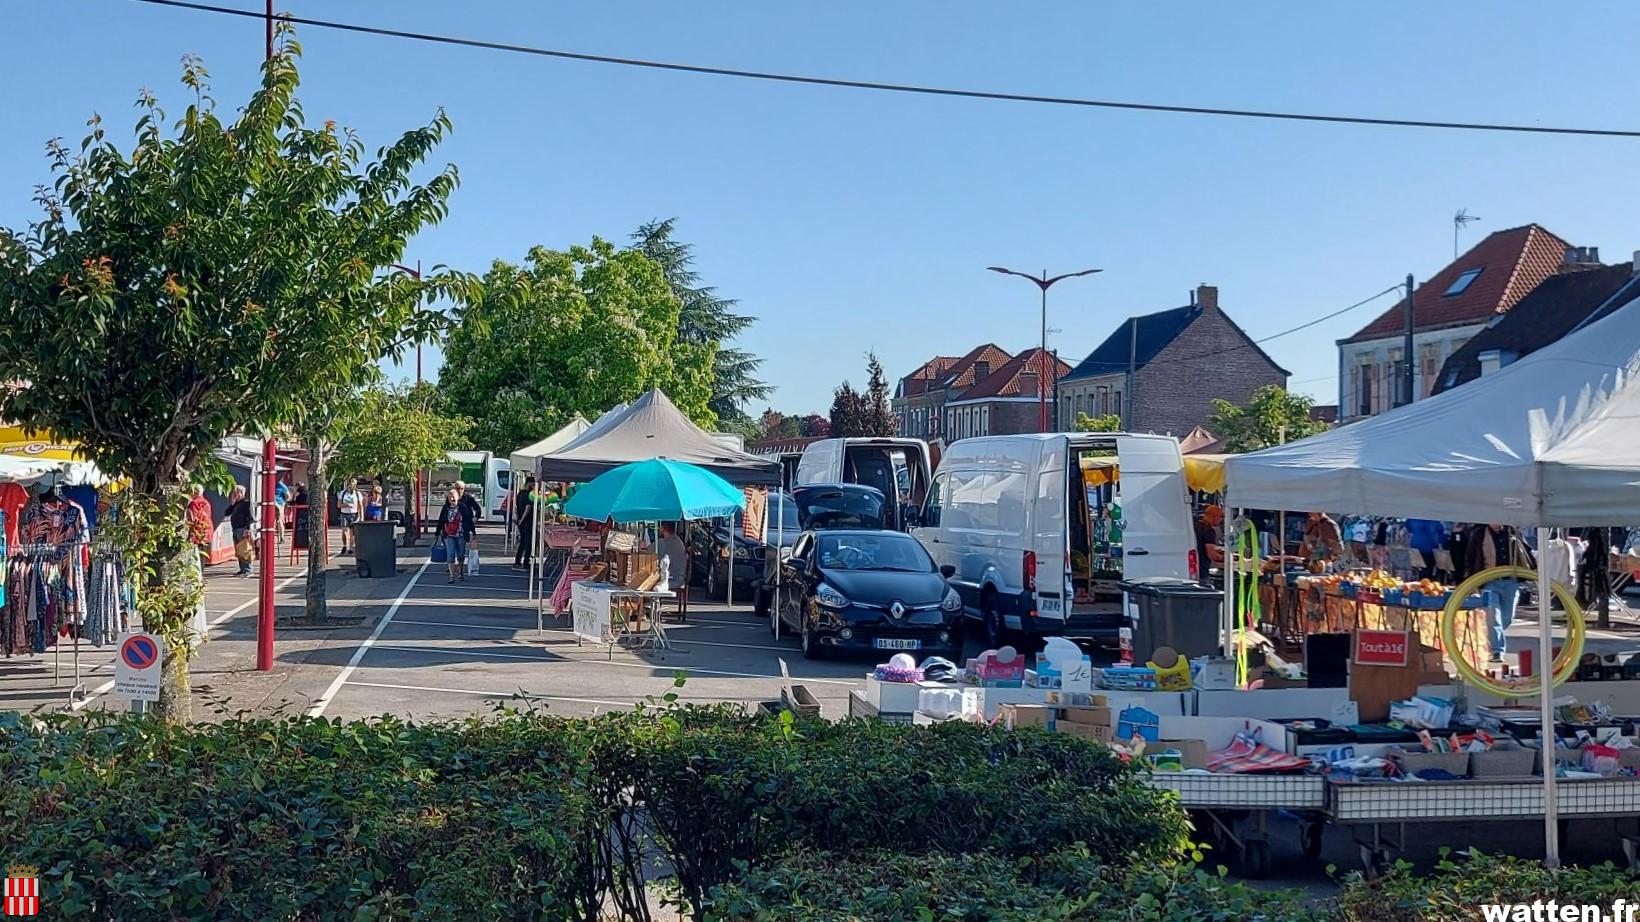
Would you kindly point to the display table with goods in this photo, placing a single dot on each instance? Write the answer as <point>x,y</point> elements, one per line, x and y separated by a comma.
<point>1341,602</point>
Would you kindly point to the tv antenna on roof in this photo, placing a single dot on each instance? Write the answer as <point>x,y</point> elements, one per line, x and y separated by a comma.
<point>1458,221</point>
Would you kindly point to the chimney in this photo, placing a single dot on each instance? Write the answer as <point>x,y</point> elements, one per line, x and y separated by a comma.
<point>1581,257</point>
<point>1207,296</point>
<point>981,370</point>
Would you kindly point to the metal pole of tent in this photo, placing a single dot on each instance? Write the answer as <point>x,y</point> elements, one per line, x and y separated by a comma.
<point>1228,625</point>
<point>729,584</point>
<point>779,560</point>
<point>1546,699</point>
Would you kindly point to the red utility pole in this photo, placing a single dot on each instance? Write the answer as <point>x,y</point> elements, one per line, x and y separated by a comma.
<point>270,459</point>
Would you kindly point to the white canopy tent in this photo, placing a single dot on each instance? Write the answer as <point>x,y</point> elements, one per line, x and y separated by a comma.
<point>523,459</point>
<point>1550,441</point>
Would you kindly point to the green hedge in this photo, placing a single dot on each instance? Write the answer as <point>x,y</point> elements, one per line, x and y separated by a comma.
<point>525,815</point>
<point>1456,888</point>
<point>1069,884</point>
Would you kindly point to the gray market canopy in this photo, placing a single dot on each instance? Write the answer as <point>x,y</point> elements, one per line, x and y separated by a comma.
<point>652,427</point>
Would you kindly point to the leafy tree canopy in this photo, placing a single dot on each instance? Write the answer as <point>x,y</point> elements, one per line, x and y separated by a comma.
<point>204,283</point>
<point>221,277</point>
<point>1110,422</point>
<point>397,432</point>
<point>1273,415</point>
<point>705,318</point>
<point>569,332</point>
<point>848,412</point>
<point>879,418</point>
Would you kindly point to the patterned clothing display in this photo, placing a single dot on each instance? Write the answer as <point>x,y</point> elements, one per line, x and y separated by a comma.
<point>108,608</point>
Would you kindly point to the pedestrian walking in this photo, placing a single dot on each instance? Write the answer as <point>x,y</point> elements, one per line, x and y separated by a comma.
<point>349,504</point>
<point>1498,546</point>
<point>281,497</point>
<point>470,513</point>
<point>375,508</point>
<point>240,518</point>
<point>452,531</point>
<point>199,523</point>
<point>524,514</point>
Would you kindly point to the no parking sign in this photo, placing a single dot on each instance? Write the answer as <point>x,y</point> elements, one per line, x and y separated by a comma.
<point>136,669</point>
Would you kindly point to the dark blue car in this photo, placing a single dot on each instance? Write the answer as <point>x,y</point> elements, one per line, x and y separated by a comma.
<point>868,591</point>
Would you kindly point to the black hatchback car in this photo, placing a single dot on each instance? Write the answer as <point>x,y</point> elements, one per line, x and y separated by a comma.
<point>868,590</point>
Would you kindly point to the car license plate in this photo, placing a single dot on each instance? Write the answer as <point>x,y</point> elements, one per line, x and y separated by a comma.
<point>892,643</point>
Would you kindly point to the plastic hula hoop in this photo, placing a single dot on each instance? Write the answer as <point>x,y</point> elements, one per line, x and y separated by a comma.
<point>1571,652</point>
<point>1246,550</point>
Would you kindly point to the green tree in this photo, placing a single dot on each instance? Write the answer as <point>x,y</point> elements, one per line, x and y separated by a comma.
<point>569,332</point>
<point>1273,416</point>
<point>207,283</point>
<point>395,432</point>
<point>877,417</point>
<point>774,424</point>
<point>848,412</point>
<point>1111,422</point>
<point>704,318</point>
<point>815,426</point>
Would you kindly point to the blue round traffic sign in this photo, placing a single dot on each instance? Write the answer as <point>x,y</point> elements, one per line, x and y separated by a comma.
<point>139,652</point>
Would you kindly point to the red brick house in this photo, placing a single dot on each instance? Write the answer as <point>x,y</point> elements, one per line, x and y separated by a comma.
<point>1007,401</point>
<point>1182,359</point>
<point>920,397</point>
<point>1448,308</point>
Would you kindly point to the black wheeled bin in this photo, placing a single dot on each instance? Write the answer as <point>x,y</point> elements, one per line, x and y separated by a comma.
<point>376,553</point>
<point>1171,612</point>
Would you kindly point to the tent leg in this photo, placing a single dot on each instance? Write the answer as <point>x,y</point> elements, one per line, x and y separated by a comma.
<point>729,582</point>
<point>1227,620</point>
<point>1546,700</point>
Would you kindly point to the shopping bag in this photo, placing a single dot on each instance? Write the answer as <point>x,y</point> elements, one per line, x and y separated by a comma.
<point>244,550</point>
<point>437,554</point>
<point>472,560</point>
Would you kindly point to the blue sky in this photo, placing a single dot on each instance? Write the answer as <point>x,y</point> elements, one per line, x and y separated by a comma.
<point>848,220</point>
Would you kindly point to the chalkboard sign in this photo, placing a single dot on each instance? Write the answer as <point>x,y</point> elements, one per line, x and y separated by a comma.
<point>299,528</point>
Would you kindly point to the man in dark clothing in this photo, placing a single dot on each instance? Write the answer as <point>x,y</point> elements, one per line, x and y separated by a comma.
<point>470,511</point>
<point>1208,550</point>
<point>524,515</point>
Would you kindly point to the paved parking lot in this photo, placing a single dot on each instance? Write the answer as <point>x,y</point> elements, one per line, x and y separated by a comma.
<point>445,650</point>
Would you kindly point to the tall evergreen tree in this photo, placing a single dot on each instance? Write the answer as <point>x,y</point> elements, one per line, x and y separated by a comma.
<point>847,412</point>
<point>705,319</point>
<point>877,414</point>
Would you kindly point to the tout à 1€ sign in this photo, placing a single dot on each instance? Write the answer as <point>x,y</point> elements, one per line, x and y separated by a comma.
<point>1381,648</point>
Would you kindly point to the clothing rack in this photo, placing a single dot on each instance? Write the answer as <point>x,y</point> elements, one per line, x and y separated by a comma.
<point>99,552</point>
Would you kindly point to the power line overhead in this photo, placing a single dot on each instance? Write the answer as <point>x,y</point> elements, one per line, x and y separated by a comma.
<point>895,87</point>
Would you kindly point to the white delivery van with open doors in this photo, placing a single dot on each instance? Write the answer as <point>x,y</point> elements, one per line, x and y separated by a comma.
<point>1040,528</point>
<point>897,467</point>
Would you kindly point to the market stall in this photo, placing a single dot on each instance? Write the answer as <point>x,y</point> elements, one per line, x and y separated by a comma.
<point>624,605</point>
<point>1549,441</point>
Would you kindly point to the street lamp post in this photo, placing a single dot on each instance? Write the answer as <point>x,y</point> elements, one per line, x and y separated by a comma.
<point>1044,283</point>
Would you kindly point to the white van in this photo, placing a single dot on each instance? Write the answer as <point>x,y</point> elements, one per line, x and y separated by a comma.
<point>1020,532</point>
<point>897,467</point>
<point>488,477</point>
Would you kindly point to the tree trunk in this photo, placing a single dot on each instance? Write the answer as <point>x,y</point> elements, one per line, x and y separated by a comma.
<point>318,486</point>
<point>151,530</point>
<point>183,578</point>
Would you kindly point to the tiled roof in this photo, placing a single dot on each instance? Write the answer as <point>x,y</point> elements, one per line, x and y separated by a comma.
<point>926,374</point>
<point>961,375</point>
<point>1512,263</point>
<point>1007,381</point>
<point>1156,331</point>
<point>1552,310</point>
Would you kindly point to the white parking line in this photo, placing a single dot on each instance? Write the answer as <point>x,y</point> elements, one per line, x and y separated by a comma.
<point>104,688</point>
<point>452,651</point>
<point>679,641</point>
<point>469,691</point>
<point>318,709</point>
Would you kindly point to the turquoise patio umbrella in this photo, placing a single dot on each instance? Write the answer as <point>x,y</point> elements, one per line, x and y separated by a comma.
<point>655,491</point>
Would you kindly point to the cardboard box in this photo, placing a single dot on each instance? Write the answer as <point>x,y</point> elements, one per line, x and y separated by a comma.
<point>1094,716</point>
<point>1015,716</point>
<point>986,703</point>
<point>892,697</point>
<point>1077,699</point>
<point>1092,732</point>
<point>1192,753</point>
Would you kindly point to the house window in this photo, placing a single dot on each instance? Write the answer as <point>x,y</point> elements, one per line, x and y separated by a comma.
<point>1364,384</point>
<point>984,420</point>
<point>1461,282</point>
<point>1116,398</point>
